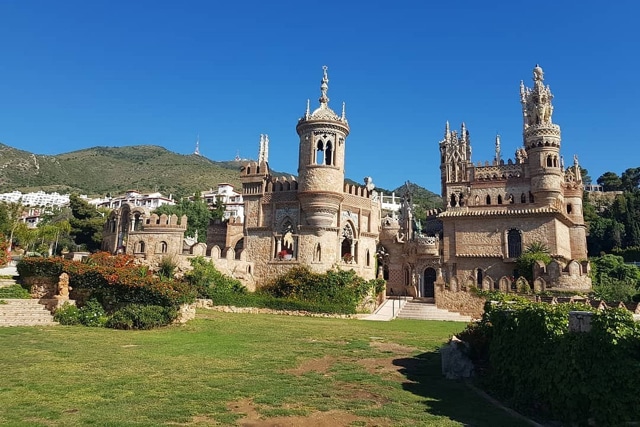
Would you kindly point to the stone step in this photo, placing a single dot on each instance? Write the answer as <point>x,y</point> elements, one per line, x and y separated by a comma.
<point>428,311</point>
<point>24,312</point>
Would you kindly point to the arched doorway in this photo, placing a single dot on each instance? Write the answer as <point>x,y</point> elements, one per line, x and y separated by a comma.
<point>428,290</point>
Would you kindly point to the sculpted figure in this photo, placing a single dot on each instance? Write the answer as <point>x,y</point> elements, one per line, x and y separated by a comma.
<point>63,286</point>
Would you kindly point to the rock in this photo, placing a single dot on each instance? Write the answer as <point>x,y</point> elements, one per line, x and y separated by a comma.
<point>455,362</point>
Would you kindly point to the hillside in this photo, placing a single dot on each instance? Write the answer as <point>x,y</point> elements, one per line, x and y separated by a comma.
<point>146,168</point>
<point>100,170</point>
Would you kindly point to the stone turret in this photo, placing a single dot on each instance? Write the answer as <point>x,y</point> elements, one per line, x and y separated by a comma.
<point>541,141</point>
<point>455,164</point>
<point>321,160</point>
<point>254,177</point>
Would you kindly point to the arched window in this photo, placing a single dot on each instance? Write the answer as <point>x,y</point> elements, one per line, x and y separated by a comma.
<point>499,199</point>
<point>407,276</point>
<point>320,154</point>
<point>286,241</point>
<point>367,259</point>
<point>140,247</point>
<point>569,208</point>
<point>488,199</point>
<point>523,198</point>
<point>317,253</point>
<point>137,222</point>
<point>514,243</point>
<point>531,199</point>
<point>453,200</point>
<point>328,154</point>
<point>163,247</point>
<point>477,199</point>
<point>348,245</point>
<point>237,249</point>
<point>479,277</point>
<point>549,161</point>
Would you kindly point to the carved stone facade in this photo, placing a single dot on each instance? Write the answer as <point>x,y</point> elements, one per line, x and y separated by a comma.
<point>316,220</point>
<point>494,211</point>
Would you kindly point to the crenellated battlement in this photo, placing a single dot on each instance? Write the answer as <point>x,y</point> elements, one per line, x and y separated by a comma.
<point>164,221</point>
<point>498,171</point>
<point>356,190</point>
<point>281,184</point>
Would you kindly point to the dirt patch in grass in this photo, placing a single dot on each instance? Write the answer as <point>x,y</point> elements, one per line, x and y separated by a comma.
<point>390,347</point>
<point>314,365</point>
<point>319,419</point>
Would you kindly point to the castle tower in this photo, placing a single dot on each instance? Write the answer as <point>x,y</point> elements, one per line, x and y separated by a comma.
<point>541,141</point>
<point>321,160</point>
<point>254,176</point>
<point>455,164</point>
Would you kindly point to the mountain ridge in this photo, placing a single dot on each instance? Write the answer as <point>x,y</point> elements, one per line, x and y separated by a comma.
<point>111,169</point>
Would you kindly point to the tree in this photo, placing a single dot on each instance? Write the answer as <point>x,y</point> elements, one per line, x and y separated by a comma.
<point>610,181</point>
<point>87,223</point>
<point>631,179</point>
<point>197,212</point>
<point>10,219</point>
<point>536,251</point>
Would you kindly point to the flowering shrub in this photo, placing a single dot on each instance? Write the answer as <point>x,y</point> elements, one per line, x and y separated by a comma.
<point>113,280</point>
<point>67,315</point>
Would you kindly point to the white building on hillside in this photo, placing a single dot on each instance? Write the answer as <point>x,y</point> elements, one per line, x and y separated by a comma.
<point>234,205</point>
<point>134,198</point>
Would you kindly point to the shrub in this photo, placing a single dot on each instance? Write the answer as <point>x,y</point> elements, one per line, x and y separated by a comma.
<point>167,267</point>
<point>208,281</point>
<point>14,291</point>
<point>93,314</point>
<point>136,316</point>
<point>67,315</point>
<point>338,288</point>
<point>538,365</point>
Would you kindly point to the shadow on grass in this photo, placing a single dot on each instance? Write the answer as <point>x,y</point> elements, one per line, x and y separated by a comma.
<point>449,398</point>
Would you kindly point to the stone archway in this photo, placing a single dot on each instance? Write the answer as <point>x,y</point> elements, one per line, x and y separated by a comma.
<point>428,283</point>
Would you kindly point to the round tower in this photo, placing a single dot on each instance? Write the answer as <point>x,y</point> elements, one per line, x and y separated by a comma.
<point>541,141</point>
<point>321,160</point>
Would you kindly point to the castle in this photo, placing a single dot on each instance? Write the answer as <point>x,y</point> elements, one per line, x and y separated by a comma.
<point>493,212</point>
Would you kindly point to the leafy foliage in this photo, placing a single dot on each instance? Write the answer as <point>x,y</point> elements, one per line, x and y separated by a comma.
<point>14,291</point>
<point>198,213</point>
<point>68,314</point>
<point>87,223</point>
<point>112,280</point>
<point>536,251</point>
<point>533,361</point>
<point>335,287</point>
<point>209,282</point>
<point>137,316</point>
<point>613,280</point>
<point>616,224</point>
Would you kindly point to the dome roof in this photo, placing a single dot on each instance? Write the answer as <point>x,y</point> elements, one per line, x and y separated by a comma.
<point>323,112</point>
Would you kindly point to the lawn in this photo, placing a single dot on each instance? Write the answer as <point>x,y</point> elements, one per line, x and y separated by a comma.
<point>237,369</point>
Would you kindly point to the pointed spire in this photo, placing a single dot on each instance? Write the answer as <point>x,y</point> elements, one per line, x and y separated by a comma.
<point>447,131</point>
<point>324,86</point>
<point>261,150</point>
<point>498,148</point>
<point>463,132</point>
<point>308,113</point>
<point>266,148</point>
<point>344,111</point>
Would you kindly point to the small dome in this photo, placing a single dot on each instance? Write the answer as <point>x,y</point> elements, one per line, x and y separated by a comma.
<point>324,113</point>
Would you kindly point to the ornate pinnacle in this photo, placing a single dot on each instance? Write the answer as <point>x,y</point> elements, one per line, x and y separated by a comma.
<point>344,111</point>
<point>308,113</point>
<point>447,132</point>
<point>324,86</point>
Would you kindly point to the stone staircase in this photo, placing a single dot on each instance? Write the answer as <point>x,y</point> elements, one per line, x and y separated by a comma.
<point>24,312</point>
<point>419,310</point>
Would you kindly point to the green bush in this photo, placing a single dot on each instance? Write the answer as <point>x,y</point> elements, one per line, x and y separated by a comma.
<point>68,314</point>
<point>14,291</point>
<point>208,281</point>
<point>93,314</point>
<point>337,288</point>
<point>263,300</point>
<point>538,366</point>
<point>136,316</point>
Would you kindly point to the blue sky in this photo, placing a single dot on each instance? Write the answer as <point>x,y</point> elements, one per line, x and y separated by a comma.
<point>78,74</point>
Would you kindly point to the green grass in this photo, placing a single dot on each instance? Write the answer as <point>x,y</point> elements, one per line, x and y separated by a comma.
<point>14,291</point>
<point>223,369</point>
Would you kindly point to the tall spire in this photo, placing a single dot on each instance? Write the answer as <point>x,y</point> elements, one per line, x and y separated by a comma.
<point>344,111</point>
<point>308,113</point>
<point>497,149</point>
<point>324,86</point>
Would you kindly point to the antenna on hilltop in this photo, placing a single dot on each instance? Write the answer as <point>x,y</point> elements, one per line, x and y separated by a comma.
<point>237,159</point>
<point>197,151</point>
